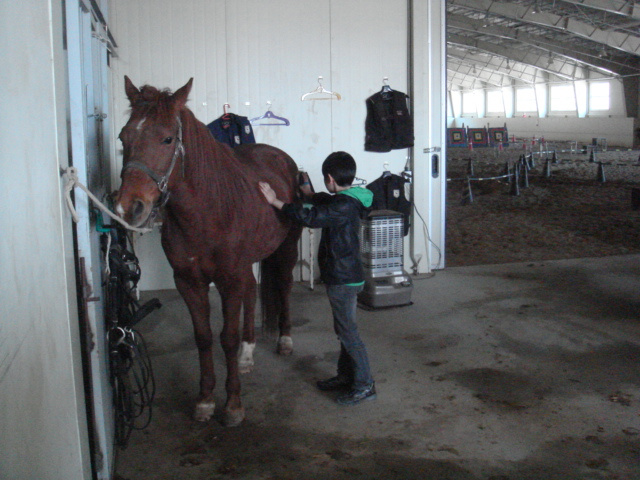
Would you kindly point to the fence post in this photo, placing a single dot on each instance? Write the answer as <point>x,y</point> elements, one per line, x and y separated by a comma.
<point>601,176</point>
<point>525,176</point>
<point>467,197</point>
<point>515,187</point>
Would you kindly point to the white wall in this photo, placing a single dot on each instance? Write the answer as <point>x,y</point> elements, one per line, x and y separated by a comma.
<point>43,430</point>
<point>618,130</point>
<point>253,52</point>
<point>613,124</point>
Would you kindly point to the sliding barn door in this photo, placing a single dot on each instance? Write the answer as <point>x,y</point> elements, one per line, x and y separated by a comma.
<point>88,89</point>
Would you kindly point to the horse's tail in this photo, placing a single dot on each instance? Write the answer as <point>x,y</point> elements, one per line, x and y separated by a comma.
<point>270,295</point>
<point>276,280</point>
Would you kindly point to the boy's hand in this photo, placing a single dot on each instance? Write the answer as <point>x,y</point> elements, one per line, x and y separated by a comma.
<point>268,192</point>
<point>270,195</point>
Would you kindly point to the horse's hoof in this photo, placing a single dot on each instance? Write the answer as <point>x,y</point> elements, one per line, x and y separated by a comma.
<point>233,418</point>
<point>204,411</point>
<point>243,369</point>
<point>285,345</point>
<point>245,360</point>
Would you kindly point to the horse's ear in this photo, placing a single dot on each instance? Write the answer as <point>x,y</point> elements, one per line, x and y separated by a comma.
<point>133,94</point>
<point>182,93</point>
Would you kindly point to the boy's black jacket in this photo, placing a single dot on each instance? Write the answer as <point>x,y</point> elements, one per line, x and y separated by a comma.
<point>339,250</point>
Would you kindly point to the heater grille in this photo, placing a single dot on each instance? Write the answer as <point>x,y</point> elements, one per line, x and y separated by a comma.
<point>381,241</point>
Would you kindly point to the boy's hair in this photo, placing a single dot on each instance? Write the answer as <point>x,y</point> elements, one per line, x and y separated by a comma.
<point>341,166</point>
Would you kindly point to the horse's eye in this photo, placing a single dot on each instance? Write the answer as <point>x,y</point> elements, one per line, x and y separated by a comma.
<point>167,140</point>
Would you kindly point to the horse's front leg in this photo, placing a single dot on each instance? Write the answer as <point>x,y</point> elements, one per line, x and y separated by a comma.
<point>248,344</point>
<point>232,294</point>
<point>196,296</point>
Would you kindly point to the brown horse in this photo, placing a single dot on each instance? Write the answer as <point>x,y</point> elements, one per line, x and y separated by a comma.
<point>215,225</point>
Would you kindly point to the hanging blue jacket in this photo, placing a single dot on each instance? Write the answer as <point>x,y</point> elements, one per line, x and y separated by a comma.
<point>232,129</point>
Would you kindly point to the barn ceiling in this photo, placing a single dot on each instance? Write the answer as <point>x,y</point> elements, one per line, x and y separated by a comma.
<point>496,42</point>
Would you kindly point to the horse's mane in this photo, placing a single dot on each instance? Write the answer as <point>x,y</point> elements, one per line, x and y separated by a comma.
<point>213,169</point>
<point>151,98</point>
<point>210,167</point>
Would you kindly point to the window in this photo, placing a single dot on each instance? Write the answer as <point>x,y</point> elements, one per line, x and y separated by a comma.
<point>599,96</point>
<point>526,100</point>
<point>494,101</point>
<point>563,98</point>
<point>469,103</point>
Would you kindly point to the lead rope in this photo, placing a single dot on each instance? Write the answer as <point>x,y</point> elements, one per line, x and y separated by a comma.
<point>73,181</point>
<point>131,374</point>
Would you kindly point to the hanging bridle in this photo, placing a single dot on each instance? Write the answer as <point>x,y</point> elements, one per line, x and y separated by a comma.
<point>161,181</point>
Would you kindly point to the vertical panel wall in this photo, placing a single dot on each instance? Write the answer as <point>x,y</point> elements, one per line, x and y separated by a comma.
<point>88,79</point>
<point>253,53</point>
<point>369,43</point>
<point>429,92</point>
<point>43,431</point>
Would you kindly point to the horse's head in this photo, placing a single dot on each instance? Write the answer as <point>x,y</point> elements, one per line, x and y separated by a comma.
<point>152,145</point>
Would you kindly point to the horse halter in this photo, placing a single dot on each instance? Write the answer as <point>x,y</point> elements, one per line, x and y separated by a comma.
<point>161,182</point>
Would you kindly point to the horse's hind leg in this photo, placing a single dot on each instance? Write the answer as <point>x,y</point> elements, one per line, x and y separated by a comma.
<point>287,256</point>
<point>248,344</point>
<point>196,296</point>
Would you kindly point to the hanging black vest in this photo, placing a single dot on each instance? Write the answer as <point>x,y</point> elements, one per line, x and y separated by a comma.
<point>388,125</point>
<point>388,194</point>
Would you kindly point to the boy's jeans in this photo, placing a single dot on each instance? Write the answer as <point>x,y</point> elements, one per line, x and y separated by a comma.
<point>353,363</point>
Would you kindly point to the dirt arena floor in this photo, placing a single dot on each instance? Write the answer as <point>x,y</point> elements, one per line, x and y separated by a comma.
<point>571,213</point>
<point>519,365</point>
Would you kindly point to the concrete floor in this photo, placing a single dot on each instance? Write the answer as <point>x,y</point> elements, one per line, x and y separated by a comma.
<point>506,372</point>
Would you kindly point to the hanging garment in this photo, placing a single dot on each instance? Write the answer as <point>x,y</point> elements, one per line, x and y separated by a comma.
<point>388,125</point>
<point>232,129</point>
<point>388,194</point>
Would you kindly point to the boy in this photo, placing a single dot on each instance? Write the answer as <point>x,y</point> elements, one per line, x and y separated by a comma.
<point>340,266</point>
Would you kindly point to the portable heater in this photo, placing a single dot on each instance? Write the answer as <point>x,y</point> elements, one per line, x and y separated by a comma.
<point>381,248</point>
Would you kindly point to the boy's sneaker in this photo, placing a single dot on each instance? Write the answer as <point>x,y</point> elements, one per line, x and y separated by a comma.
<point>358,395</point>
<point>333,383</point>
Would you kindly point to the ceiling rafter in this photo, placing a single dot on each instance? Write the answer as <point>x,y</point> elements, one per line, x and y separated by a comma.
<point>484,74</point>
<point>459,79</point>
<point>577,53</point>
<point>533,36</point>
<point>527,14</point>
<point>505,67</point>
<point>627,8</point>
<point>567,71</point>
